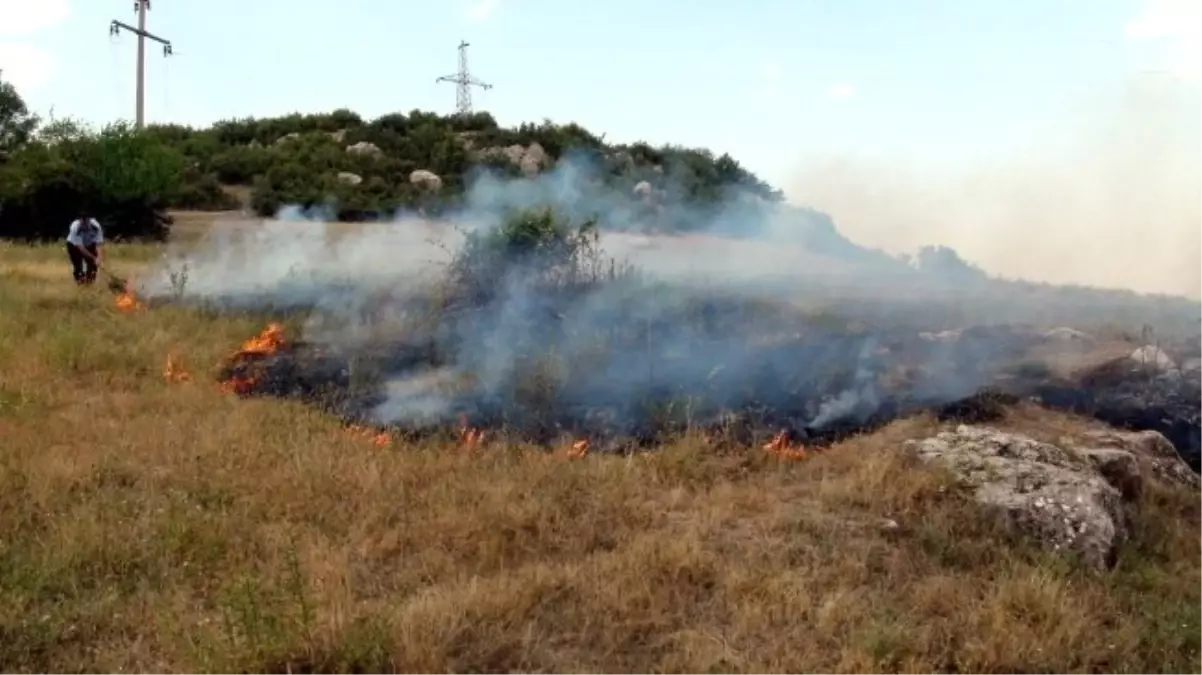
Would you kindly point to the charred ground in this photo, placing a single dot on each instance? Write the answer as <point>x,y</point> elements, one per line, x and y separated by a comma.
<point>534,334</point>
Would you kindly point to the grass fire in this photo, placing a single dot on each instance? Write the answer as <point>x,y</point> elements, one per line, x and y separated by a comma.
<point>532,334</point>
<point>533,458</point>
<point>904,383</point>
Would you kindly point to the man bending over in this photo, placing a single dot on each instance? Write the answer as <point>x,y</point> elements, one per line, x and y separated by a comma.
<point>85,247</point>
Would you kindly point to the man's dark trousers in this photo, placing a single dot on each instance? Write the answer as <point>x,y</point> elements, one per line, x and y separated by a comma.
<point>83,267</point>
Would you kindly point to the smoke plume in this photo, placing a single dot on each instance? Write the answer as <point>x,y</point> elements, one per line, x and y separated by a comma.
<point>780,314</point>
<point>1113,199</point>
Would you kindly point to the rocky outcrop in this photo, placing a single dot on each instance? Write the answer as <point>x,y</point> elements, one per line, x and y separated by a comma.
<point>348,178</point>
<point>1154,358</point>
<point>364,148</point>
<point>1127,393</point>
<point>944,336</point>
<point>1152,452</point>
<point>1066,334</point>
<point>1072,499</point>
<point>533,160</point>
<point>426,180</point>
<point>530,159</point>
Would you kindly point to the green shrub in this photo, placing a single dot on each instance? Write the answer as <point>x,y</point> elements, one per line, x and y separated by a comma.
<point>124,177</point>
<point>205,193</point>
<point>537,247</point>
<point>240,165</point>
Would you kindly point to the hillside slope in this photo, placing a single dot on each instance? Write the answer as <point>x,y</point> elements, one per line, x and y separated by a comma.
<point>421,160</point>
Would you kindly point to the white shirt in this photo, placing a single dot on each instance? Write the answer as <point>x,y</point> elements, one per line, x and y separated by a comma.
<point>85,236</point>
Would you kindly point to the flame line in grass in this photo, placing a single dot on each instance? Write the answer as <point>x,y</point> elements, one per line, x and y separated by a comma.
<point>174,371</point>
<point>272,338</point>
<point>267,342</point>
<point>779,446</point>
<point>126,301</point>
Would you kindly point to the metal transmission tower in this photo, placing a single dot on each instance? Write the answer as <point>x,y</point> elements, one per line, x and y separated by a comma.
<point>464,82</point>
<point>141,7</point>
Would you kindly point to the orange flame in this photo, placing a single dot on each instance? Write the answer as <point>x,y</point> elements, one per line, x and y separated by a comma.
<point>173,371</point>
<point>472,437</point>
<point>126,302</point>
<point>266,342</point>
<point>577,450</point>
<point>238,384</point>
<point>469,436</point>
<point>779,446</point>
<point>379,438</point>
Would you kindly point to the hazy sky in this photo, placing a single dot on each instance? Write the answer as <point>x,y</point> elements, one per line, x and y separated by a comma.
<point>764,80</point>
<point>946,89</point>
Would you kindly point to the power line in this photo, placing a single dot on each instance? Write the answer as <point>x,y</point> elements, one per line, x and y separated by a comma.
<point>141,7</point>
<point>464,82</point>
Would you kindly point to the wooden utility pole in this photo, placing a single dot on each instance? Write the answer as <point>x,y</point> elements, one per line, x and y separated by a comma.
<point>141,7</point>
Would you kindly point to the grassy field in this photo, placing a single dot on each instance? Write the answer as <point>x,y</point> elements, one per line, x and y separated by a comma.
<point>152,524</point>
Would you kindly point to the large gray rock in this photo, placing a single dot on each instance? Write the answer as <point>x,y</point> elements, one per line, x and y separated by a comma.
<point>530,160</point>
<point>1074,498</point>
<point>946,336</point>
<point>1065,334</point>
<point>349,178</point>
<point>426,180</point>
<point>364,148</point>
<point>1153,358</point>
<point>1152,454</point>
<point>534,159</point>
<point>514,153</point>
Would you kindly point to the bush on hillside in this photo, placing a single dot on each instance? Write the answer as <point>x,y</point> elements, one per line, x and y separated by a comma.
<point>204,193</point>
<point>539,250</point>
<point>295,159</point>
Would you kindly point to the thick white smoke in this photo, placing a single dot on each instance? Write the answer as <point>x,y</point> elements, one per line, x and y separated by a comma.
<point>789,271</point>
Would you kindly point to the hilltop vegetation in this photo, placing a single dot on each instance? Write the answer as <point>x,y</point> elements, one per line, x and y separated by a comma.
<point>361,169</point>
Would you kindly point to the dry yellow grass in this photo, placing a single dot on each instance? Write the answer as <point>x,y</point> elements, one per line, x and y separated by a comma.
<point>156,525</point>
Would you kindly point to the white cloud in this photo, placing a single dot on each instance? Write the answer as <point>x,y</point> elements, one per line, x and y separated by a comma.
<point>19,18</point>
<point>1177,26</point>
<point>480,10</point>
<point>841,91</point>
<point>27,67</point>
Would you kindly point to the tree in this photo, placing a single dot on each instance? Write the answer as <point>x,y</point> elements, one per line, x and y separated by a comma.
<point>17,124</point>
<point>58,130</point>
<point>121,164</point>
<point>125,177</point>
